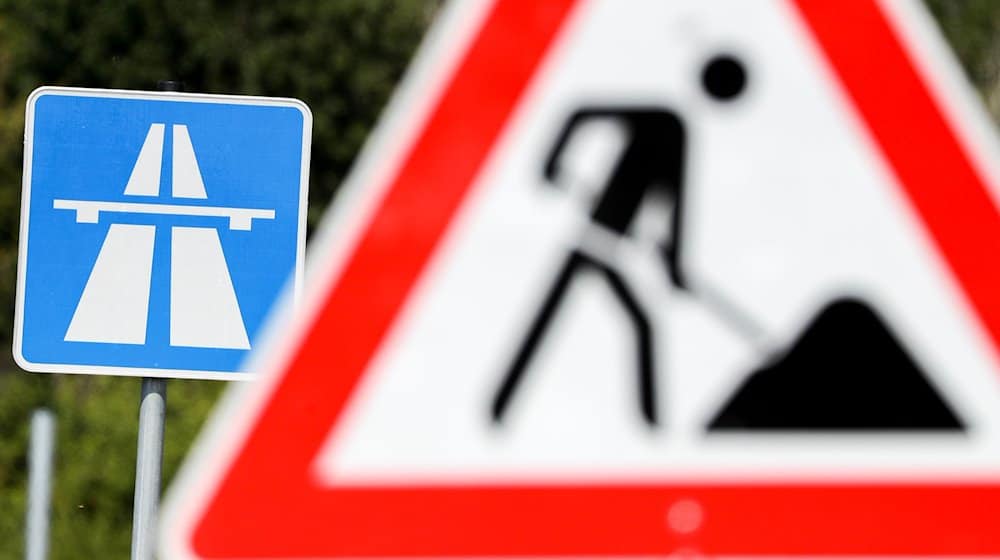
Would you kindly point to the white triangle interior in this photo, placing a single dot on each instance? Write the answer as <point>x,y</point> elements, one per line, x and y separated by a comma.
<point>778,237</point>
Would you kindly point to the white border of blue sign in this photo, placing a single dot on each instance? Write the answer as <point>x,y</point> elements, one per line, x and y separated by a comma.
<point>295,284</point>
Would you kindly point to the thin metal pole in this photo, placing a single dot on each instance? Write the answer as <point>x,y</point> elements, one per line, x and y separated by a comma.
<point>149,452</point>
<point>149,459</point>
<point>39,484</point>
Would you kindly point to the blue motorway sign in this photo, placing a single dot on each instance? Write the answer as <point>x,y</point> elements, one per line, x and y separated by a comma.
<point>157,229</point>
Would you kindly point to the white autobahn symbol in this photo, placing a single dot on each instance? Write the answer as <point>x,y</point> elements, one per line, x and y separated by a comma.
<point>204,312</point>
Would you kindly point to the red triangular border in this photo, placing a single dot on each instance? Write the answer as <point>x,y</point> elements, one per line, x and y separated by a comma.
<point>269,505</point>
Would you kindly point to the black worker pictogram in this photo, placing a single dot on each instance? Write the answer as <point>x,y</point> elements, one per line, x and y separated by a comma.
<point>846,370</point>
<point>653,159</point>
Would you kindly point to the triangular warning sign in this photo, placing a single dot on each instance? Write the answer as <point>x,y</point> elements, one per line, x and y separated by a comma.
<point>637,279</point>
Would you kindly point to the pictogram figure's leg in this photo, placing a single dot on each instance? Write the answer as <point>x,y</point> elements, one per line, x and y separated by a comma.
<point>643,339</point>
<point>530,343</point>
<point>643,334</point>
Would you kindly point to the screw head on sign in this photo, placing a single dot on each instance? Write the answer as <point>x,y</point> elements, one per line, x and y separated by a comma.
<point>685,516</point>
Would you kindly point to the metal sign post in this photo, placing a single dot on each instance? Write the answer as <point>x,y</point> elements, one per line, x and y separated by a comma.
<point>39,484</point>
<point>149,458</point>
<point>149,451</point>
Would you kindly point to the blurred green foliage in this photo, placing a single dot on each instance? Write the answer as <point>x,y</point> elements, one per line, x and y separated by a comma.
<point>972,27</point>
<point>341,57</point>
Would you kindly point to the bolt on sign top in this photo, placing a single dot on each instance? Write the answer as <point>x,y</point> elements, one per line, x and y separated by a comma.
<point>632,279</point>
<point>157,229</point>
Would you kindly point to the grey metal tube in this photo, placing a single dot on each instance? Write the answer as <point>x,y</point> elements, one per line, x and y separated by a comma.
<point>39,484</point>
<point>149,460</point>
